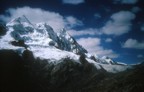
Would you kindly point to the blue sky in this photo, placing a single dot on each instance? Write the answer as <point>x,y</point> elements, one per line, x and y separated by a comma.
<point>113,28</point>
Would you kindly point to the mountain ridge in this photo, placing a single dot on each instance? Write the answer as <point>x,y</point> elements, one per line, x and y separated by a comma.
<point>46,44</point>
<point>33,58</point>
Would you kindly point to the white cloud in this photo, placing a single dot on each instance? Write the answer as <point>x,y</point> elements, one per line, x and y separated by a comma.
<point>36,15</point>
<point>119,24</point>
<point>72,21</point>
<point>108,40</point>
<point>107,52</point>
<point>140,56</point>
<point>89,31</point>
<point>126,1</point>
<point>93,46</point>
<point>132,43</point>
<point>74,2</point>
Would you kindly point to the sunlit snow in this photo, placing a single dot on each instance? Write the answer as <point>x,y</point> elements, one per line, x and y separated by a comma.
<point>48,45</point>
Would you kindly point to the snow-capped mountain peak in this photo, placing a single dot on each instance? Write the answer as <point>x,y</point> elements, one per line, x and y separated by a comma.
<point>42,34</point>
<point>70,44</point>
<point>22,33</point>
<point>107,60</point>
<point>20,20</point>
<point>46,44</point>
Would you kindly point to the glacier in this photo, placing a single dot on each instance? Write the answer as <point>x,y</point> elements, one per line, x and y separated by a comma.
<point>46,44</point>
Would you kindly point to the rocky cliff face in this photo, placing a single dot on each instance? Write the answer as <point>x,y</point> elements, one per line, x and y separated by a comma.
<point>48,45</point>
<point>35,58</point>
<point>41,34</point>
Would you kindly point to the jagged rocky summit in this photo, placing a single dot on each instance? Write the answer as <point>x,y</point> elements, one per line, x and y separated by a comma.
<point>46,44</point>
<point>34,58</point>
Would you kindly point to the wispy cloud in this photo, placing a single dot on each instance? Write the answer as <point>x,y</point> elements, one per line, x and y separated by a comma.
<point>93,46</point>
<point>126,1</point>
<point>84,32</point>
<point>108,40</point>
<point>133,43</point>
<point>120,23</point>
<point>97,15</point>
<point>74,2</point>
<point>142,27</point>
<point>72,22</point>
<point>140,56</point>
<point>135,9</point>
<point>36,15</point>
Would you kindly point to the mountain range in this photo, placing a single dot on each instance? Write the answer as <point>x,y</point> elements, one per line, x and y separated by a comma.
<point>33,57</point>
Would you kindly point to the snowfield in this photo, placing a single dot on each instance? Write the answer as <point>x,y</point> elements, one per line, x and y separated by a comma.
<point>48,45</point>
